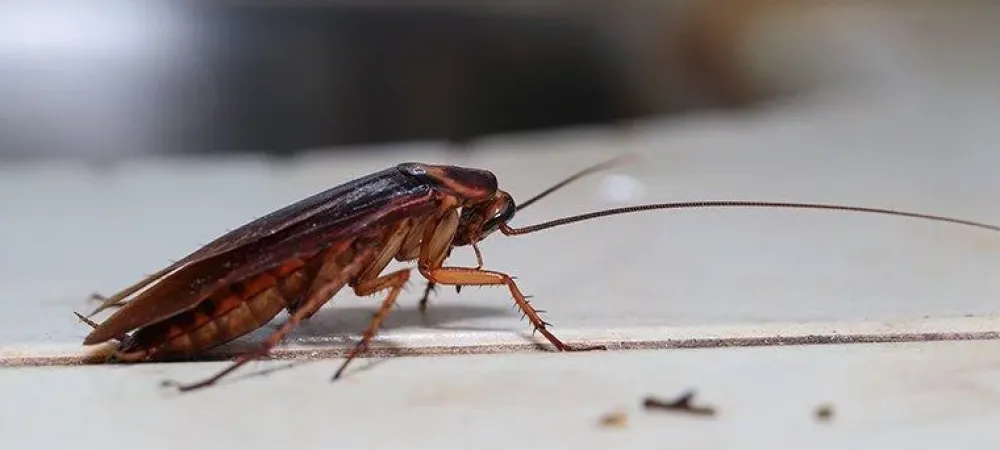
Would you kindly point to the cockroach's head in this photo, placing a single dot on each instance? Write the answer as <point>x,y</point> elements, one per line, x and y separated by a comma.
<point>481,219</point>
<point>484,206</point>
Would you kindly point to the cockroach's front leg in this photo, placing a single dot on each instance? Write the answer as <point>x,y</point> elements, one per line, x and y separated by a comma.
<point>479,265</point>
<point>431,286</point>
<point>463,276</point>
<point>394,282</point>
<point>330,279</point>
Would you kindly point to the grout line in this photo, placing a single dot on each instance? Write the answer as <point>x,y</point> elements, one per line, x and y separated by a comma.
<point>612,344</point>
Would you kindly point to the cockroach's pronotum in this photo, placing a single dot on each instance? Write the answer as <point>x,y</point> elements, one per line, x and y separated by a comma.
<point>298,257</point>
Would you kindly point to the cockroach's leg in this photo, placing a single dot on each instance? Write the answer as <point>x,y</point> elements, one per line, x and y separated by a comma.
<point>479,256</point>
<point>479,265</point>
<point>325,286</point>
<point>464,276</point>
<point>437,233</point>
<point>118,298</point>
<point>96,297</point>
<point>394,282</point>
<point>422,306</point>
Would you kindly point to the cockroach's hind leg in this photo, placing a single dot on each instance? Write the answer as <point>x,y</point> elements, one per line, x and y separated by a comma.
<point>329,280</point>
<point>97,297</point>
<point>394,282</point>
<point>459,276</point>
<point>263,351</point>
<point>240,361</point>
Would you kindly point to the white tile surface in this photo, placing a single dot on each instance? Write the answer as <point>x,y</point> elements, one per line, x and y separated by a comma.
<point>913,396</point>
<point>653,277</point>
<point>672,279</point>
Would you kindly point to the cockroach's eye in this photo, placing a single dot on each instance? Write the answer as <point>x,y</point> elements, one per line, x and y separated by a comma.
<point>503,216</point>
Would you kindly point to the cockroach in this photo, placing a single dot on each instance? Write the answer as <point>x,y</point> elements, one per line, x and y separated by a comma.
<point>298,257</point>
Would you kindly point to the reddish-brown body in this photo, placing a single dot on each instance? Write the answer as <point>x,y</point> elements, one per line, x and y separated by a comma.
<point>214,297</point>
<point>244,306</point>
<point>297,258</point>
<point>226,314</point>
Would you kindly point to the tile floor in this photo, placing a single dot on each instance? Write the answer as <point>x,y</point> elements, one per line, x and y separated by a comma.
<point>912,395</point>
<point>664,279</point>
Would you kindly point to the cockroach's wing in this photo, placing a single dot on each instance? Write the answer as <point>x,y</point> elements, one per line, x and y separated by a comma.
<point>164,298</point>
<point>344,198</point>
<point>383,199</point>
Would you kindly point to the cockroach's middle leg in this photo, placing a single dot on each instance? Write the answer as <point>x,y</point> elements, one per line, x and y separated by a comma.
<point>464,276</point>
<point>394,282</point>
<point>422,306</point>
<point>331,278</point>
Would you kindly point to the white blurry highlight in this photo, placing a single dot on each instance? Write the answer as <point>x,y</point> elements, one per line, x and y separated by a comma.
<point>619,188</point>
<point>91,78</point>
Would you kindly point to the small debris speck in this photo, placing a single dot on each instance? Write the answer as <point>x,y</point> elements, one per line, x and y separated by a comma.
<point>824,413</point>
<point>681,404</point>
<point>616,419</point>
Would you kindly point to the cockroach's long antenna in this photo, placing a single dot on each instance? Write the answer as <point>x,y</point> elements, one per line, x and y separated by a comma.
<point>509,231</point>
<point>595,168</point>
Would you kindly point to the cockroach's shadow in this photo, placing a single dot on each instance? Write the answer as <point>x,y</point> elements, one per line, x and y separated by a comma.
<point>337,322</point>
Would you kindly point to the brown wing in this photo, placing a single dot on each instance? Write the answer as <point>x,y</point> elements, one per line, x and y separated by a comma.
<point>344,200</point>
<point>301,228</point>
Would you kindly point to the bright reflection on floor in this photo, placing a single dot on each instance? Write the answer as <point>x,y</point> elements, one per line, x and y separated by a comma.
<point>620,188</point>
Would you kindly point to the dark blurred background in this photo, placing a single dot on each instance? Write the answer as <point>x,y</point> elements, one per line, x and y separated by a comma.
<point>111,78</point>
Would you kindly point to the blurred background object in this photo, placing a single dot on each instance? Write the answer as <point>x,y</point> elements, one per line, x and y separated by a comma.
<point>108,79</point>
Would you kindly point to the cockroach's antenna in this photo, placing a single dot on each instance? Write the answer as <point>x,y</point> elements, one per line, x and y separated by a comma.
<point>510,231</point>
<point>617,161</point>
